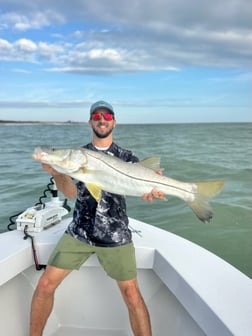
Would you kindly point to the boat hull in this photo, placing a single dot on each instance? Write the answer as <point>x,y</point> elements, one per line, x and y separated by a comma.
<point>188,290</point>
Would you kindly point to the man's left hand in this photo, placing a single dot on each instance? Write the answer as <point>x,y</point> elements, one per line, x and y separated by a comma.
<point>153,194</point>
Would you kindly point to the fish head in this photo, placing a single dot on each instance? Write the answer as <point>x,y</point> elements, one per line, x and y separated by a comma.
<point>63,160</point>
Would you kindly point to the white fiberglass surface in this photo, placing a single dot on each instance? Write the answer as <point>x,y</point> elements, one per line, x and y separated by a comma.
<point>89,302</point>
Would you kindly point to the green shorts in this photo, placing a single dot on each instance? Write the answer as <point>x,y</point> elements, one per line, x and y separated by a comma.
<point>119,262</point>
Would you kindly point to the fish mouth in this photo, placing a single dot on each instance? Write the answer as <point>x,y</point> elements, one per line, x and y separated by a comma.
<point>45,154</point>
<point>39,154</point>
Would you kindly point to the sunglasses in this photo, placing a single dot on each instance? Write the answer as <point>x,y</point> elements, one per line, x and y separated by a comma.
<point>97,116</point>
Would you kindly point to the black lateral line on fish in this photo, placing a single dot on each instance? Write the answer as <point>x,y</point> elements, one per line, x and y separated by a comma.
<point>141,179</point>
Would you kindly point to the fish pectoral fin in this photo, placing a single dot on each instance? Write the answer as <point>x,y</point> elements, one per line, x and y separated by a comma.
<point>95,190</point>
<point>151,163</point>
<point>85,170</point>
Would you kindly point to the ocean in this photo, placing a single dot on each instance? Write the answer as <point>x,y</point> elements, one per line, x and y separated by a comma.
<point>189,152</point>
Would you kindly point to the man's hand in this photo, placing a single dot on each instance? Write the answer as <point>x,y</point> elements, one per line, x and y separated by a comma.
<point>153,194</point>
<point>63,182</point>
<point>50,169</point>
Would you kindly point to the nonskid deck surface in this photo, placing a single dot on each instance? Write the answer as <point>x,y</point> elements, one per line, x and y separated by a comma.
<point>72,331</point>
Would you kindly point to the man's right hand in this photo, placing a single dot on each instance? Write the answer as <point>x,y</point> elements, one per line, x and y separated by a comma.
<point>63,182</point>
<point>50,169</point>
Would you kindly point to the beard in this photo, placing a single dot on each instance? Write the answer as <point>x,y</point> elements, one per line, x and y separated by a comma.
<point>102,135</point>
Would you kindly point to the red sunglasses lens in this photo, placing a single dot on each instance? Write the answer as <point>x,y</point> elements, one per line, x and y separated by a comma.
<point>96,116</point>
<point>106,116</point>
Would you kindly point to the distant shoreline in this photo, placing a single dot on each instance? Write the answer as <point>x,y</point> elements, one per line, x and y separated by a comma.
<point>69,122</point>
<point>28,122</point>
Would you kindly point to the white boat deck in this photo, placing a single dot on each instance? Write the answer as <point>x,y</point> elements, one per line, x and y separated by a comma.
<point>68,331</point>
<point>189,291</point>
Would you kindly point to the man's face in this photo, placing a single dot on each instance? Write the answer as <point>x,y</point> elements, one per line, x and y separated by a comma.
<point>102,123</point>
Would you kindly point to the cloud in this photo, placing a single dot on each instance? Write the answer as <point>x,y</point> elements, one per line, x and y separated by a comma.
<point>115,37</point>
<point>18,104</point>
<point>25,50</point>
<point>24,21</point>
<point>21,71</point>
<point>25,45</point>
<point>4,45</point>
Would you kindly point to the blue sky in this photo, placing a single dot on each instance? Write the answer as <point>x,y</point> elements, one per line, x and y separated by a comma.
<point>154,61</point>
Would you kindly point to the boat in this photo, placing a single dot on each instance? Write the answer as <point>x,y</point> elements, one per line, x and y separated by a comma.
<point>189,291</point>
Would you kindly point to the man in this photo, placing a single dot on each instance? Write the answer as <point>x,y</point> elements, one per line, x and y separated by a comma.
<point>94,226</point>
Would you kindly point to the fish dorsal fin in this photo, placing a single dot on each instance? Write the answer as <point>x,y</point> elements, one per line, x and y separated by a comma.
<point>151,163</point>
<point>95,190</point>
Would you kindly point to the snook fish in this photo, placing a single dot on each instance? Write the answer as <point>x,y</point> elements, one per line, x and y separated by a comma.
<point>100,171</point>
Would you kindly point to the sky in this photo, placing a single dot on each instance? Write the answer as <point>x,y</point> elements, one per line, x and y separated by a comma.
<point>162,61</point>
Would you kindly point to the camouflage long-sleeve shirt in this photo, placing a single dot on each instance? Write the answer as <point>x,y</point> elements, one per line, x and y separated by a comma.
<point>104,223</point>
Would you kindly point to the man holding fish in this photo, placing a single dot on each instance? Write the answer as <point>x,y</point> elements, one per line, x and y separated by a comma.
<point>99,225</point>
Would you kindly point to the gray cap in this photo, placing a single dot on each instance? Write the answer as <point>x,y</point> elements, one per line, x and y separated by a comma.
<point>101,104</point>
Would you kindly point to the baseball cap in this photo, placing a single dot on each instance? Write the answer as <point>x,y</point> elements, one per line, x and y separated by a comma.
<point>101,104</point>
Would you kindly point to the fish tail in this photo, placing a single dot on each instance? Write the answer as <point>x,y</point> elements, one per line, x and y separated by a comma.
<point>205,191</point>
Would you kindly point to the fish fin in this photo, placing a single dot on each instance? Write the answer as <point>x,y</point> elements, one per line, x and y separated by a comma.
<point>95,190</point>
<point>205,191</point>
<point>151,163</point>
